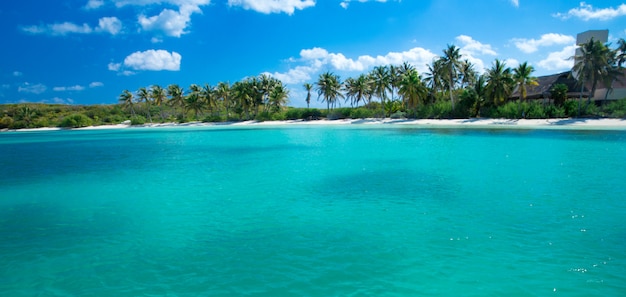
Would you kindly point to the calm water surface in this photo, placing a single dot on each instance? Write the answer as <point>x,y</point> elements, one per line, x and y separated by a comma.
<point>313,211</point>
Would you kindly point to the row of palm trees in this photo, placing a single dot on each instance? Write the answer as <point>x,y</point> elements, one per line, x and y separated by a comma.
<point>245,98</point>
<point>450,76</point>
<point>446,75</point>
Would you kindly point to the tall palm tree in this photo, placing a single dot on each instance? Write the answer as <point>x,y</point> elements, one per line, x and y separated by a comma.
<point>434,78</point>
<point>127,101</point>
<point>358,89</point>
<point>144,96</point>
<point>522,75</point>
<point>278,97</point>
<point>223,93</point>
<point>412,89</point>
<point>177,98</point>
<point>451,61</point>
<point>242,96</point>
<point>328,87</point>
<point>591,66</point>
<point>468,73</point>
<point>208,96</point>
<point>193,101</point>
<point>308,87</point>
<point>158,95</point>
<point>499,82</point>
<point>381,84</point>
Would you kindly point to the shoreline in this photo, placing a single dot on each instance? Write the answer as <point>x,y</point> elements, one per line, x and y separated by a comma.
<point>476,123</point>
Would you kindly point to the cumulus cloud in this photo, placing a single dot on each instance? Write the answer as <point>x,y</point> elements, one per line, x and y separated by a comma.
<point>587,12</point>
<point>515,3</point>
<point>110,25</point>
<point>150,60</point>
<point>346,3</point>
<point>170,22</point>
<point>532,45</point>
<point>94,4</point>
<point>471,46</point>
<point>71,88</point>
<point>32,88</point>
<point>96,84</point>
<point>273,6</point>
<point>316,59</point>
<point>559,60</point>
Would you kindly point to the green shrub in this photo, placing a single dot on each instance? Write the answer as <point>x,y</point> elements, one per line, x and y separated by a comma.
<point>6,122</point>
<point>76,120</point>
<point>311,114</point>
<point>263,116</point>
<point>398,115</point>
<point>615,109</point>
<point>293,114</point>
<point>138,120</point>
<point>571,108</point>
<point>553,111</point>
<point>361,113</point>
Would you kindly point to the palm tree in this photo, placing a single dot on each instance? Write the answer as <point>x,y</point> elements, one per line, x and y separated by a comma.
<point>434,78</point>
<point>243,99</point>
<point>208,96</point>
<point>223,93</point>
<point>308,87</point>
<point>412,89</point>
<point>475,95</point>
<point>499,82</point>
<point>468,73</point>
<point>559,94</point>
<point>328,87</point>
<point>523,79</point>
<point>175,92</point>
<point>381,84</point>
<point>451,63</point>
<point>126,99</point>
<point>278,97</point>
<point>158,95</point>
<point>621,52</point>
<point>591,66</point>
<point>194,102</point>
<point>358,89</point>
<point>144,96</point>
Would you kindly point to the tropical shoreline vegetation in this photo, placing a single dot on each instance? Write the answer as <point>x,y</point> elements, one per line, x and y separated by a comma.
<point>452,88</point>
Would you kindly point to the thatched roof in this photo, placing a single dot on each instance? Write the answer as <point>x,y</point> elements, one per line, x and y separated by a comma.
<point>547,82</point>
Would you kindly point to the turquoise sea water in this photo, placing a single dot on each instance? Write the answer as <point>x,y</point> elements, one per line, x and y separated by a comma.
<point>313,211</point>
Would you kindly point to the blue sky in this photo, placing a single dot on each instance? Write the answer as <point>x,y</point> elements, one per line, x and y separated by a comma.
<point>89,51</point>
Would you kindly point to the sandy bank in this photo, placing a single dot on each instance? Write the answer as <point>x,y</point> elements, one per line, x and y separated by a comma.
<point>565,124</point>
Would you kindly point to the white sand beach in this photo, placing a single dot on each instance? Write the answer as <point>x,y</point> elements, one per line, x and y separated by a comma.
<point>564,124</point>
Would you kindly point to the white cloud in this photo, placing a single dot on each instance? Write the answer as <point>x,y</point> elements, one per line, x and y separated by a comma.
<point>71,88</point>
<point>30,88</point>
<point>515,3</point>
<point>317,59</point>
<point>512,63</point>
<point>111,25</point>
<point>120,3</point>
<point>114,66</point>
<point>346,3</point>
<point>586,12</point>
<point>273,6</point>
<point>559,60</point>
<point>170,22</point>
<point>57,100</point>
<point>532,45</point>
<point>96,84</point>
<point>152,60</point>
<point>470,46</point>
<point>94,4</point>
<point>17,73</point>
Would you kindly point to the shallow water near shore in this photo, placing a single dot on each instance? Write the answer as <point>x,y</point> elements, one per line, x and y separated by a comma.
<point>313,211</point>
